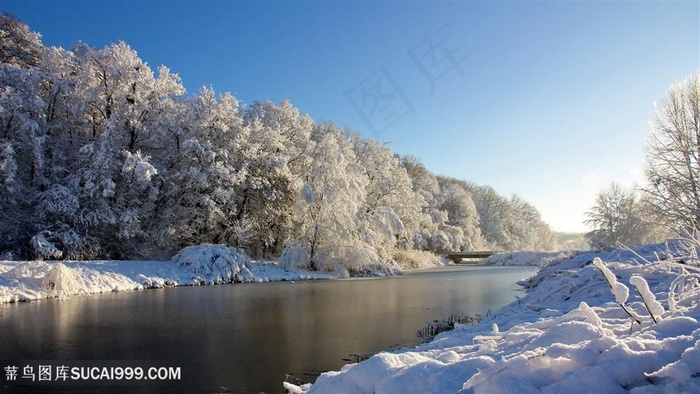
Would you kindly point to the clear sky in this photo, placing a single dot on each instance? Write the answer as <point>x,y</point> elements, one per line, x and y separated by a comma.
<point>547,100</point>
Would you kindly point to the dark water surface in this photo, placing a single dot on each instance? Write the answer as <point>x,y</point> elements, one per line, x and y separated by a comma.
<point>246,337</point>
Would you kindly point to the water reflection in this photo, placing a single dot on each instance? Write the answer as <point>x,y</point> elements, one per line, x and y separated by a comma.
<point>246,337</point>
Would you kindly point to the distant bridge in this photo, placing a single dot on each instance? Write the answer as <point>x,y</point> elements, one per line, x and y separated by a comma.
<point>458,256</point>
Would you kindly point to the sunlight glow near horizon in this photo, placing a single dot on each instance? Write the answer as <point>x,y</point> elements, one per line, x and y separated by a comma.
<point>549,101</point>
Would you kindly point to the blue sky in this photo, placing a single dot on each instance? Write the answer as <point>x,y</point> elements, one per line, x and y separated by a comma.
<point>547,100</point>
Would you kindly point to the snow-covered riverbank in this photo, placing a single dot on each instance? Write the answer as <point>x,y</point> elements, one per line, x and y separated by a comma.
<point>210,264</point>
<point>568,334</point>
<point>536,259</point>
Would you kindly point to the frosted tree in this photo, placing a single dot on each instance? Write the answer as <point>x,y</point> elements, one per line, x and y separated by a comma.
<point>511,224</point>
<point>38,157</point>
<point>328,208</point>
<point>391,210</point>
<point>198,200</point>
<point>123,96</point>
<point>617,217</point>
<point>19,46</point>
<point>22,141</point>
<point>426,185</point>
<point>457,202</point>
<point>424,182</point>
<point>673,155</point>
<point>124,110</point>
<point>528,227</point>
<point>285,132</point>
<point>494,210</point>
<point>280,135</point>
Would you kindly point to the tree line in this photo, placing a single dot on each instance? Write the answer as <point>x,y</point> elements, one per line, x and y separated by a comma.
<point>103,157</point>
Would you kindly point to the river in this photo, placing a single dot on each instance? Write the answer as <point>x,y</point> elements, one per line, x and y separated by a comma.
<point>246,337</point>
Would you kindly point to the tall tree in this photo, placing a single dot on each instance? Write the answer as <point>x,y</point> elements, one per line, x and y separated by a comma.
<point>330,201</point>
<point>391,210</point>
<point>462,225</point>
<point>673,156</point>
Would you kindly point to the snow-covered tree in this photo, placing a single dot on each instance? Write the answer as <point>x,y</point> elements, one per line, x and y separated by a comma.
<point>19,46</point>
<point>673,156</point>
<point>329,205</point>
<point>124,111</point>
<point>494,212</point>
<point>391,210</point>
<point>527,226</point>
<point>617,217</point>
<point>424,182</point>
<point>457,202</point>
<point>198,197</point>
<point>280,136</point>
<point>22,142</point>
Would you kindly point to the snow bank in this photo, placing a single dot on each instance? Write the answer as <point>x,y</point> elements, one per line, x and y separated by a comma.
<point>568,334</point>
<point>526,258</point>
<point>196,265</point>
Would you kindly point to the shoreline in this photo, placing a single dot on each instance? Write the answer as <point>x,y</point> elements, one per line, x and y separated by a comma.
<point>140,275</point>
<point>30,281</point>
<point>23,281</point>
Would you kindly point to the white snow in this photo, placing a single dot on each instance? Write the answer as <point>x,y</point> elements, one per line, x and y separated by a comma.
<point>568,334</point>
<point>620,291</point>
<point>197,265</point>
<point>525,258</point>
<point>655,308</point>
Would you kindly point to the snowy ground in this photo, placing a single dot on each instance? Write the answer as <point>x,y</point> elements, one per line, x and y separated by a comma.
<point>211,264</point>
<point>568,334</point>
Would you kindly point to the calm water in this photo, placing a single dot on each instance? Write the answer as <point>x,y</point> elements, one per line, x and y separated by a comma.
<point>247,337</point>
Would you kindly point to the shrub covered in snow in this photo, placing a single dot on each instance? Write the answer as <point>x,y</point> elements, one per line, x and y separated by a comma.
<point>214,264</point>
<point>295,256</point>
